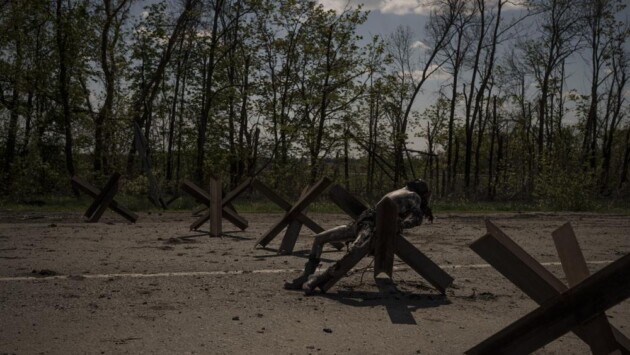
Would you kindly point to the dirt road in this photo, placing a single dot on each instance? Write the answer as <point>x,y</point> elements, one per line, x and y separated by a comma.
<point>68,287</point>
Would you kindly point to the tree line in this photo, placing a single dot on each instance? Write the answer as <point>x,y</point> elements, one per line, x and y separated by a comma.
<point>290,91</point>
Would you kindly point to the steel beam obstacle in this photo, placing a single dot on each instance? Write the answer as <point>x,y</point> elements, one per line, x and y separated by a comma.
<point>579,309</point>
<point>219,205</point>
<point>103,199</point>
<point>386,242</point>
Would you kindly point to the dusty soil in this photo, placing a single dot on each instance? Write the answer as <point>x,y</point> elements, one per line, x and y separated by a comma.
<point>156,287</point>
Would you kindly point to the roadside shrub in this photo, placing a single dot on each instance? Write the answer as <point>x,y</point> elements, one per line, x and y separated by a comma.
<point>564,189</point>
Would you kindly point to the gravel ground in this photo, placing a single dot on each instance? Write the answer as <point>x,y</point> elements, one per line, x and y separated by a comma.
<point>68,287</point>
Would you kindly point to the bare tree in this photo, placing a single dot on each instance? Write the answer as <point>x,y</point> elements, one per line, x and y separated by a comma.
<point>455,54</point>
<point>110,36</point>
<point>488,31</point>
<point>559,37</point>
<point>401,51</point>
<point>144,101</point>
<point>613,113</point>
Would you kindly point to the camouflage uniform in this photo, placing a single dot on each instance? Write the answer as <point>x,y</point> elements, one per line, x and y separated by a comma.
<point>412,203</point>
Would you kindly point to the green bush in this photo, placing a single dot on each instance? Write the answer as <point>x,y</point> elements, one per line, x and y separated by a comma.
<point>562,188</point>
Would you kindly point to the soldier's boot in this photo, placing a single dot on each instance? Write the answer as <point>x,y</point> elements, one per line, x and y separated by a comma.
<point>315,282</point>
<point>309,269</point>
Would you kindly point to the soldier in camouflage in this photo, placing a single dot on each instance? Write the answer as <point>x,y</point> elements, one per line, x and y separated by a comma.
<point>412,202</point>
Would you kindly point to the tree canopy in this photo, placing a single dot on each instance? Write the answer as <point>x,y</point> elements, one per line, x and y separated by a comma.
<point>290,91</point>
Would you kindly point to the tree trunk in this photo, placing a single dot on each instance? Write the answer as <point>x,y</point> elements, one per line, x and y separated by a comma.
<point>9,152</point>
<point>469,124</point>
<point>346,161</point>
<point>626,161</point>
<point>321,122</point>
<point>245,152</point>
<point>450,169</point>
<point>493,135</point>
<point>63,83</point>
<point>209,96</point>
<point>180,125</point>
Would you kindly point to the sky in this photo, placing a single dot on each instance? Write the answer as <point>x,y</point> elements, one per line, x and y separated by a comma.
<point>386,15</point>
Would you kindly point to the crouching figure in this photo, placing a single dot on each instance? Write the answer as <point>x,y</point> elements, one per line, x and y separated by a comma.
<point>412,201</point>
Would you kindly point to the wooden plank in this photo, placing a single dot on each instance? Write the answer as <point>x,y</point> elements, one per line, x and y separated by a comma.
<point>343,266</point>
<point>570,254</point>
<point>228,213</point>
<point>234,218</point>
<point>424,266</point>
<point>216,207</point>
<point>172,199</point>
<point>274,231</point>
<point>538,283</point>
<point>201,220</point>
<point>108,197</point>
<point>270,194</point>
<point>230,196</point>
<point>93,192</point>
<point>622,340</point>
<point>229,205</point>
<point>98,200</point>
<point>385,232</point>
<point>602,290</point>
<point>195,191</point>
<point>123,211</point>
<point>286,206</point>
<point>601,337</point>
<point>348,203</point>
<point>309,223</point>
<point>511,264</point>
<point>84,186</point>
<point>202,196</point>
<point>524,271</point>
<point>196,212</point>
<point>290,238</point>
<point>307,199</point>
<point>292,233</point>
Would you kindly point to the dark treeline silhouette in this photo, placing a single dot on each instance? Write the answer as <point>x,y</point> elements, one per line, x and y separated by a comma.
<point>290,91</point>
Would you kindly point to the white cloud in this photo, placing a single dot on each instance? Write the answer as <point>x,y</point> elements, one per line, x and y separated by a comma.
<point>145,14</point>
<point>403,7</point>
<point>515,5</point>
<point>340,5</point>
<point>396,7</point>
<point>333,4</point>
<point>434,73</point>
<point>419,44</point>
